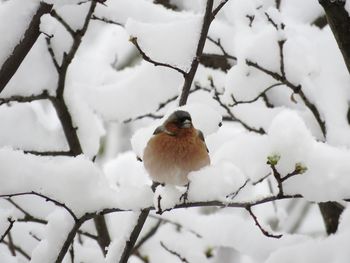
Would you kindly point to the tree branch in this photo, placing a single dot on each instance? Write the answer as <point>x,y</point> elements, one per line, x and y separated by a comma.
<point>148,235</point>
<point>11,221</point>
<point>207,19</point>
<point>32,33</point>
<point>218,8</point>
<point>133,236</point>
<point>18,249</point>
<point>57,203</point>
<point>52,53</point>
<point>103,238</point>
<point>260,95</point>
<point>148,59</point>
<point>54,14</point>
<point>106,20</point>
<point>176,254</point>
<point>265,232</point>
<point>231,116</point>
<point>43,96</point>
<point>339,21</point>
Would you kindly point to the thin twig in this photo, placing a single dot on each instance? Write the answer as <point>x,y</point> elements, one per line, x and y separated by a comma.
<point>296,89</point>
<point>260,95</point>
<point>57,203</point>
<point>22,99</point>
<point>27,217</point>
<point>150,60</point>
<point>50,153</point>
<point>18,249</point>
<point>11,221</point>
<point>11,245</point>
<point>231,116</point>
<point>162,105</point>
<point>148,235</point>
<point>265,232</point>
<point>63,23</point>
<point>183,259</point>
<point>52,53</point>
<point>218,8</point>
<point>177,225</point>
<point>235,193</point>
<point>106,20</point>
<point>223,50</point>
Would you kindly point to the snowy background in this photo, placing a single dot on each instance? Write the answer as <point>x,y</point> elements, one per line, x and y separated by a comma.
<point>271,95</point>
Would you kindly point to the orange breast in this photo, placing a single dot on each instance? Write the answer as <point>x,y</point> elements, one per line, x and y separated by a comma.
<point>169,159</point>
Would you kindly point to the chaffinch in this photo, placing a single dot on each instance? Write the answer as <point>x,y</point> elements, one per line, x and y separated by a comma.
<point>175,149</point>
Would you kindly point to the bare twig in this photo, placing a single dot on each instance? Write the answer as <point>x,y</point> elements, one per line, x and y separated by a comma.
<point>271,21</point>
<point>50,153</point>
<point>296,89</point>
<point>162,105</point>
<point>176,254</point>
<point>148,115</point>
<point>265,232</point>
<point>57,203</point>
<point>148,235</point>
<point>231,116</point>
<point>106,20</point>
<point>11,223</point>
<point>52,53</point>
<point>218,8</point>
<point>63,23</point>
<point>27,217</point>
<point>176,224</point>
<point>19,250</point>
<point>150,60</point>
<point>11,245</point>
<point>260,95</point>
<point>22,99</point>
<point>223,50</point>
<point>235,193</point>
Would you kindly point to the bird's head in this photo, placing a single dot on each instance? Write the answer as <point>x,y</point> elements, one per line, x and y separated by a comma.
<point>178,120</point>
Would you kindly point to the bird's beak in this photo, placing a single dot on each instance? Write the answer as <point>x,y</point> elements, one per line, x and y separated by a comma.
<point>186,124</point>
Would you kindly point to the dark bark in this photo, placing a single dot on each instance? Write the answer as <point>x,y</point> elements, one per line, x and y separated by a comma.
<point>203,36</point>
<point>32,33</point>
<point>215,61</point>
<point>331,212</point>
<point>103,237</point>
<point>339,21</point>
<point>129,246</point>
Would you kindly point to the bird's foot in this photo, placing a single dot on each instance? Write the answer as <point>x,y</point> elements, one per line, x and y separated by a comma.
<point>155,185</point>
<point>184,196</point>
<point>159,209</point>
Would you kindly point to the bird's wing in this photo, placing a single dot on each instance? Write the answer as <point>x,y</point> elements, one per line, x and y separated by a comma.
<point>159,129</point>
<point>201,136</point>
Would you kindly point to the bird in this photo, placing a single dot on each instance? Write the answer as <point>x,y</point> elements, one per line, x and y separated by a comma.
<point>175,149</point>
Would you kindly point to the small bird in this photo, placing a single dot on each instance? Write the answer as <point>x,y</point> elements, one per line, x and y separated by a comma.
<point>175,149</point>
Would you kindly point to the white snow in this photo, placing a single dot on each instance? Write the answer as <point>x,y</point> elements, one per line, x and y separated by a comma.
<point>161,43</point>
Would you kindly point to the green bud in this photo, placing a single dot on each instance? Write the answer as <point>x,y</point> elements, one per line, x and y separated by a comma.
<point>209,252</point>
<point>273,159</point>
<point>300,168</point>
